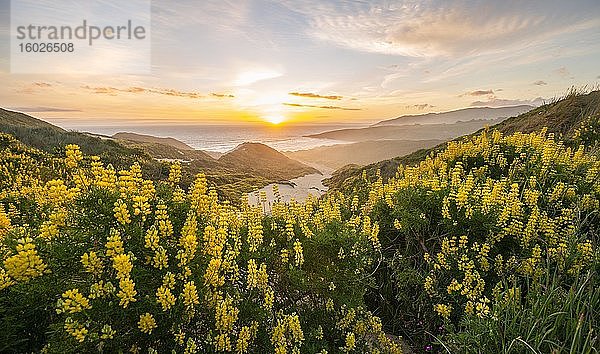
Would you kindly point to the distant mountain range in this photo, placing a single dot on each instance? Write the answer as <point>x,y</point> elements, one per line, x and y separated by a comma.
<point>402,135</point>
<point>465,114</point>
<point>443,131</point>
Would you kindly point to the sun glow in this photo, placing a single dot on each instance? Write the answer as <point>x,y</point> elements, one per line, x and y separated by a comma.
<point>274,118</point>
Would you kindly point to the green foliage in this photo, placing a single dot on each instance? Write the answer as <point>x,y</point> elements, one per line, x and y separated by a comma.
<point>550,318</point>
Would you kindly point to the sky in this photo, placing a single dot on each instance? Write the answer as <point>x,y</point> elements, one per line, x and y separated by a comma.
<point>322,62</point>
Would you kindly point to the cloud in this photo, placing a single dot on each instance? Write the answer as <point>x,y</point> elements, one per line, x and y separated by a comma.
<point>314,95</point>
<point>563,72</point>
<point>478,93</point>
<point>502,102</point>
<point>420,107</point>
<point>113,91</point>
<point>34,87</point>
<point>323,107</point>
<point>39,109</point>
<point>540,83</point>
<point>222,95</point>
<point>441,28</point>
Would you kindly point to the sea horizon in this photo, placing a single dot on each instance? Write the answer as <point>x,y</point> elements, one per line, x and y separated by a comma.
<point>222,138</point>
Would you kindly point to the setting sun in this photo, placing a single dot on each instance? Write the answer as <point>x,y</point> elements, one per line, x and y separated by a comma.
<point>275,118</point>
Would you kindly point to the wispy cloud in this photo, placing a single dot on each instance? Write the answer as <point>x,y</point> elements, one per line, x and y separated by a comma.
<point>41,109</point>
<point>540,83</point>
<point>478,93</point>
<point>34,87</point>
<point>314,95</point>
<point>434,28</point>
<point>420,107</point>
<point>113,91</point>
<point>222,95</point>
<point>323,107</point>
<point>563,72</point>
<point>502,102</point>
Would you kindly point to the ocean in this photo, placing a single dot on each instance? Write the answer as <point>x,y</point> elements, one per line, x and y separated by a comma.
<point>223,138</point>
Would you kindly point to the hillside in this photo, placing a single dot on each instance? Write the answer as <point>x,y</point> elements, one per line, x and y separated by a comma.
<point>47,137</point>
<point>465,114</point>
<point>18,119</point>
<point>561,117</point>
<point>152,139</point>
<point>360,153</point>
<point>262,160</point>
<point>166,152</point>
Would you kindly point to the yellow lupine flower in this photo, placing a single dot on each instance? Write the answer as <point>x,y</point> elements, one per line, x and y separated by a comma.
<point>190,294</point>
<point>127,292</point>
<point>223,343</point>
<point>75,329</point>
<point>26,264</point>
<point>269,298</point>
<point>298,255</point>
<point>72,302</point>
<point>214,241</point>
<point>165,297</point>
<point>4,222</point>
<point>257,278</point>
<point>160,259</point>
<point>146,324</point>
<point>443,310</point>
<point>73,155</point>
<point>225,315</point>
<point>114,244</point>
<point>151,238</point>
<point>188,240</point>
<point>122,212</point>
<point>350,341</point>
<point>246,336</point>
<point>5,280</point>
<point>169,280</point>
<point>141,206</point>
<point>122,264</point>
<point>175,172</point>
<point>212,276</point>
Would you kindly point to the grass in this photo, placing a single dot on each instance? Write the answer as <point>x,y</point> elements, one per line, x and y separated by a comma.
<point>553,317</point>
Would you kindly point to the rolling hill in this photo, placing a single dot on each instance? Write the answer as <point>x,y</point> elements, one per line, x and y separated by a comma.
<point>143,138</point>
<point>262,160</point>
